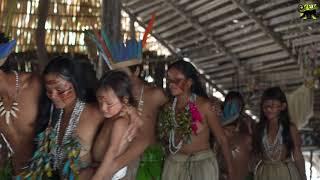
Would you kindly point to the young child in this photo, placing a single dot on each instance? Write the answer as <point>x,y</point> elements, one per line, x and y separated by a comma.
<point>114,96</point>
<point>277,140</point>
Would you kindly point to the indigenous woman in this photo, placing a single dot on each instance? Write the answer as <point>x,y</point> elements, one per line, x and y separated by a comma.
<point>73,121</point>
<point>277,141</point>
<point>185,125</point>
<point>114,96</point>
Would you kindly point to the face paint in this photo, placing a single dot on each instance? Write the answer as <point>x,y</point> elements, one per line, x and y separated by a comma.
<point>177,82</point>
<point>109,104</point>
<point>60,91</point>
<point>271,109</point>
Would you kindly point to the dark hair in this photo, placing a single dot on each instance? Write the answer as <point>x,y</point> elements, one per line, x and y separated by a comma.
<point>274,93</point>
<point>120,83</point>
<point>82,76</point>
<point>234,95</point>
<point>190,72</point>
<point>78,73</point>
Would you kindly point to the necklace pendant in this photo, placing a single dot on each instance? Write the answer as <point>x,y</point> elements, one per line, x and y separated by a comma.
<point>13,113</point>
<point>8,118</point>
<point>3,112</point>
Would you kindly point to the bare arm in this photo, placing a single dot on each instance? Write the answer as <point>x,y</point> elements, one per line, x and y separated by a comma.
<point>297,154</point>
<point>141,142</point>
<point>113,151</point>
<point>218,132</point>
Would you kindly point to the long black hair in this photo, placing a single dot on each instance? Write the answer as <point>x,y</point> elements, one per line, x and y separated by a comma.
<point>77,71</point>
<point>120,83</point>
<point>274,93</point>
<point>190,72</point>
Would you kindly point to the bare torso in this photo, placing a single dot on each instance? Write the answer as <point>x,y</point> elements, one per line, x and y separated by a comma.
<point>153,99</point>
<point>200,141</point>
<point>20,132</point>
<point>89,123</point>
<point>240,145</point>
<point>102,141</point>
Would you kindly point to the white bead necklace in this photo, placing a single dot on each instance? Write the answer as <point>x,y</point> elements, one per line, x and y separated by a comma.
<point>173,148</point>
<point>274,148</point>
<point>58,154</point>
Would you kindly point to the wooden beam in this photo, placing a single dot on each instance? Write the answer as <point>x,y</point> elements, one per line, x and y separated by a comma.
<point>246,9</point>
<point>203,31</point>
<point>207,7</point>
<point>260,51</point>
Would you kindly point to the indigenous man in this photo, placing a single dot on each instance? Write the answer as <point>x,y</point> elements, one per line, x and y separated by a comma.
<point>19,95</point>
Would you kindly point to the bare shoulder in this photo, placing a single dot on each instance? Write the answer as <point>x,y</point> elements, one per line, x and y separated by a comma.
<point>157,94</point>
<point>121,122</point>
<point>204,103</point>
<point>93,114</point>
<point>30,79</point>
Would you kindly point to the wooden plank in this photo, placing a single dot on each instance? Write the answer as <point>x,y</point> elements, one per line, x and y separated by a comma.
<point>184,36</point>
<point>224,10</point>
<point>233,27</point>
<point>226,20</point>
<point>165,18</point>
<point>260,51</point>
<point>281,11</point>
<point>169,25</point>
<point>218,68</point>
<point>267,57</point>
<point>191,42</point>
<point>277,64</point>
<point>195,4</point>
<point>284,18</point>
<point>270,5</point>
<point>175,31</point>
<point>146,6</point>
<point>241,32</point>
<point>208,6</point>
<point>253,36</point>
<point>252,45</point>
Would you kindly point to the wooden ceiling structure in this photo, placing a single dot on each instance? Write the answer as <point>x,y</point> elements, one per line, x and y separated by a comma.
<point>237,43</point>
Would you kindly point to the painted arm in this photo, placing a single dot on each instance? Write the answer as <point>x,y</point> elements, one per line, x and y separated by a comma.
<point>141,142</point>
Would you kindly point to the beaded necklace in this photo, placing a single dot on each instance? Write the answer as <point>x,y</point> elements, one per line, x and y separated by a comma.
<point>173,147</point>
<point>14,107</point>
<point>58,154</point>
<point>272,149</point>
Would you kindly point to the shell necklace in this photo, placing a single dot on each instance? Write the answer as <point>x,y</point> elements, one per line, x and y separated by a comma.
<point>12,111</point>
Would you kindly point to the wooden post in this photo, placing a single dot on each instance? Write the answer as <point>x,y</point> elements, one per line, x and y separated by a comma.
<point>111,21</point>
<point>41,33</point>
